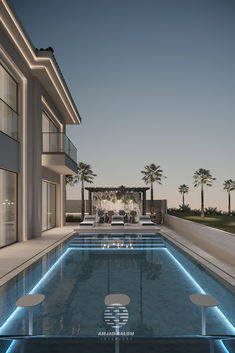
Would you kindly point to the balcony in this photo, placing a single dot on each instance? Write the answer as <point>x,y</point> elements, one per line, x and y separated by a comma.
<point>59,153</point>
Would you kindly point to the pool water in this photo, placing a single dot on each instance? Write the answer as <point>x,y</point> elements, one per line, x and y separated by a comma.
<point>156,277</point>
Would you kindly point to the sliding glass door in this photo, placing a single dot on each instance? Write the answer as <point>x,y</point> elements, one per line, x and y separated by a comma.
<point>48,205</point>
<point>8,207</point>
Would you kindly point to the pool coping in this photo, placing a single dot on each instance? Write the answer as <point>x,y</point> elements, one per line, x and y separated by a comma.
<point>17,257</point>
<point>222,271</point>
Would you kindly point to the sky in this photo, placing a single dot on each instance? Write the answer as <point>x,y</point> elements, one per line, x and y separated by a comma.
<point>154,82</point>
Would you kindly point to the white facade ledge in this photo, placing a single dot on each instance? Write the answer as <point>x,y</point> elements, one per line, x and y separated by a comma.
<point>60,163</point>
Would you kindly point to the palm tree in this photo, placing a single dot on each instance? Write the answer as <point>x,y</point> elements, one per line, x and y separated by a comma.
<point>71,179</point>
<point>84,174</point>
<point>152,174</point>
<point>229,185</point>
<point>202,177</point>
<point>183,189</point>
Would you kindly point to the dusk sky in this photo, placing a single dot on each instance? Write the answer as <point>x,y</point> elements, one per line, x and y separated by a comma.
<point>154,81</point>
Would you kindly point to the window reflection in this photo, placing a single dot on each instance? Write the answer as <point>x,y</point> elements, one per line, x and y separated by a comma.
<point>8,104</point>
<point>8,207</point>
<point>48,205</point>
<point>50,135</point>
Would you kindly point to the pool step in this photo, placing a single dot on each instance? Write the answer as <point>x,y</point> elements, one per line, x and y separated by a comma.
<point>123,243</point>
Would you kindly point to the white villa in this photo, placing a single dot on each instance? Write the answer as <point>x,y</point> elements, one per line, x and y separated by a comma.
<point>35,153</point>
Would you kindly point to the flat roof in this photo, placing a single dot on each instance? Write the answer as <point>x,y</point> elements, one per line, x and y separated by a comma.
<point>119,189</point>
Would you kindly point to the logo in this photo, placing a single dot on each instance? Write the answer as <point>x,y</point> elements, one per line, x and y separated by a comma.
<point>116,316</point>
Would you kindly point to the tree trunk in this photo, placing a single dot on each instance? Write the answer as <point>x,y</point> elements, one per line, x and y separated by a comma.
<point>202,202</point>
<point>183,199</point>
<point>83,202</point>
<point>229,203</point>
<point>151,202</point>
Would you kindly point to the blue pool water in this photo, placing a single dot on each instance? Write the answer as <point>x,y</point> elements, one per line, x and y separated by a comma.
<point>154,274</point>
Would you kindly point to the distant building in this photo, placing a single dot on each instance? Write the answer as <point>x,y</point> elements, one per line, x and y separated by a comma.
<point>35,153</point>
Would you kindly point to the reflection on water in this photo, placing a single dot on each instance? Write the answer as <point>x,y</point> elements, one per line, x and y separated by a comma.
<point>76,287</point>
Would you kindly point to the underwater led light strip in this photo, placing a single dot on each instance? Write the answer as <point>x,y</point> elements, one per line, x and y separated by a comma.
<point>115,248</point>
<point>123,234</point>
<point>202,291</point>
<point>111,244</point>
<point>11,347</point>
<point>117,240</point>
<point>225,350</point>
<point>118,237</point>
<point>32,291</point>
<point>77,249</point>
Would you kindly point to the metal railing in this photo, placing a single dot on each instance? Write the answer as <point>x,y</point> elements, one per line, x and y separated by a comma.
<point>58,142</point>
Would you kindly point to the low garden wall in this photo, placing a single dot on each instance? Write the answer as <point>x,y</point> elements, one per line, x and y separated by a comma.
<point>217,242</point>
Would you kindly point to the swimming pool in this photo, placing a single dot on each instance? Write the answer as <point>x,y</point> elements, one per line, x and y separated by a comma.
<point>155,275</point>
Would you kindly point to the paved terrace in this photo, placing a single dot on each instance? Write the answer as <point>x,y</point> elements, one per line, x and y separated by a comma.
<point>16,257</point>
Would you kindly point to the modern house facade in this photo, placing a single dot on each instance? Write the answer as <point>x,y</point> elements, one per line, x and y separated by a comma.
<point>35,153</point>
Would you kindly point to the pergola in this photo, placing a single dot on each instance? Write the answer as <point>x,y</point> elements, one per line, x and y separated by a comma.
<point>122,189</point>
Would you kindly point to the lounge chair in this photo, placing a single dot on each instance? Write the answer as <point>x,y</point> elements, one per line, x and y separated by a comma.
<point>89,221</point>
<point>145,221</point>
<point>117,220</point>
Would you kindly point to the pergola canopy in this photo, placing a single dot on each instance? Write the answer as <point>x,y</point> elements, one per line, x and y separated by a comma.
<point>119,189</point>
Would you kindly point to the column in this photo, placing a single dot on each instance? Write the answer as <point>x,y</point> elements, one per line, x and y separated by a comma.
<point>90,202</point>
<point>144,202</point>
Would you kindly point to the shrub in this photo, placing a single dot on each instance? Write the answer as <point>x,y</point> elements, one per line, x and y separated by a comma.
<point>212,211</point>
<point>184,209</point>
<point>196,212</point>
<point>73,218</point>
<point>172,210</point>
<point>181,209</point>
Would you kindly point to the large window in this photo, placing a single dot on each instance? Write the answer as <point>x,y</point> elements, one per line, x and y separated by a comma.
<point>48,205</point>
<point>8,104</point>
<point>8,207</point>
<point>50,135</point>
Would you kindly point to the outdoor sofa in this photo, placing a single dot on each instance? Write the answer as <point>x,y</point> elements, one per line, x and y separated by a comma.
<point>145,221</point>
<point>89,221</point>
<point>117,220</point>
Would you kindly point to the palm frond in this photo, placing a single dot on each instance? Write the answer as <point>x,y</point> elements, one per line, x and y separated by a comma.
<point>229,185</point>
<point>203,176</point>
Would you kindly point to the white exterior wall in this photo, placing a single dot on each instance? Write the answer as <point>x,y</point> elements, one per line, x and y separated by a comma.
<point>35,93</point>
<point>214,241</point>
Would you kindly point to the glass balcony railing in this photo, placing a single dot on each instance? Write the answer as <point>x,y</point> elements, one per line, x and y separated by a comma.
<point>58,142</point>
<point>8,120</point>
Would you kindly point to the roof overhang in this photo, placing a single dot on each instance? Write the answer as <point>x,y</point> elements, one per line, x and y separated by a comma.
<point>42,63</point>
<point>117,189</point>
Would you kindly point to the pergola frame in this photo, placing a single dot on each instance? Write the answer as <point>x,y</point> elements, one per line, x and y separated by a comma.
<point>121,189</point>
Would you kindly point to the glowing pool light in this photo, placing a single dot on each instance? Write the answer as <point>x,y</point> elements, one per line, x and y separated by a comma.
<point>226,322</point>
